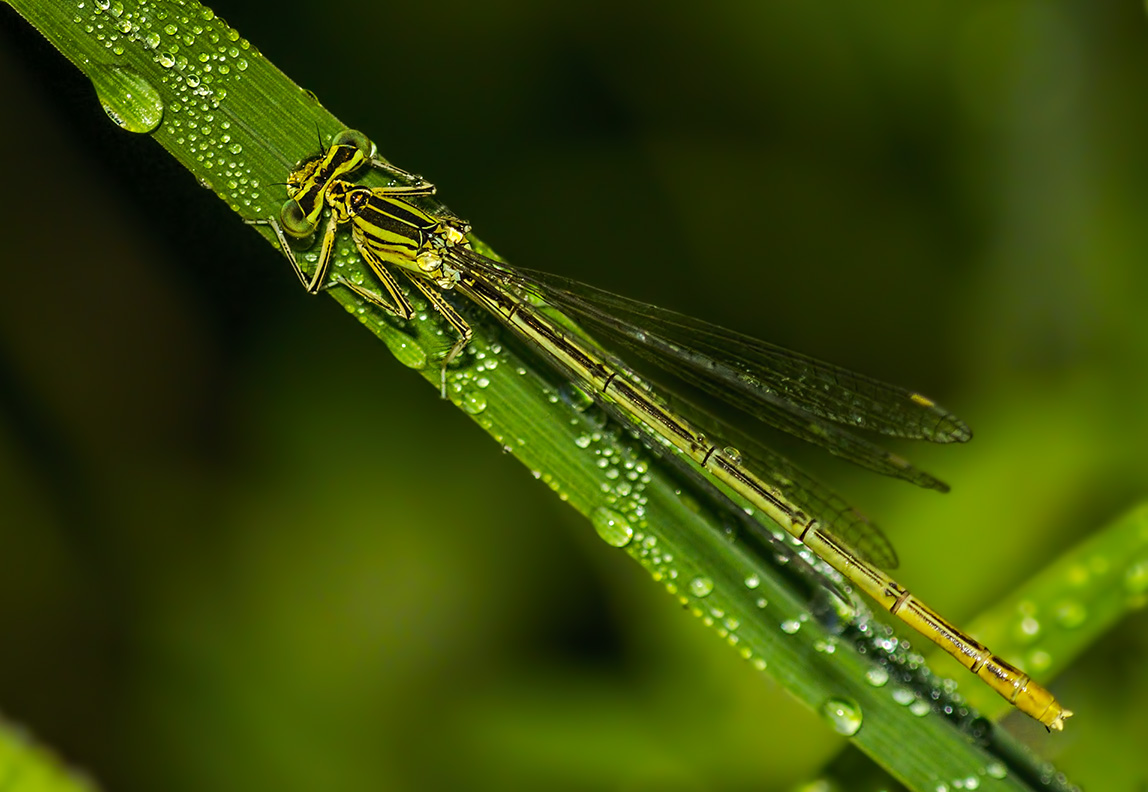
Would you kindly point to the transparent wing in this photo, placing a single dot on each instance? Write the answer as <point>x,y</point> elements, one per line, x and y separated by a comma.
<point>814,401</point>
<point>814,498</point>
<point>833,512</point>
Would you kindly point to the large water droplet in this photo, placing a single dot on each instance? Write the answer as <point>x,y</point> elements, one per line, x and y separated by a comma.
<point>472,401</point>
<point>996,770</point>
<point>843,715</point>
<point>128,99</point>
<point>701,586</point>
<point>614,529</point>
<point>1027,629</point>
<point>790,626</point>
<point>904,696</point>
<point>920,708</point>
<point>405,350</point>
<point>1136,578</point>
<point>1038,660</point>
<point>877,676</point>
<point>577,398</point>
<point>1070,613</point>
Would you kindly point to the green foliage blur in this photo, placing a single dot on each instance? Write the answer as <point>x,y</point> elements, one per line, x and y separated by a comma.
<point>242,548</point>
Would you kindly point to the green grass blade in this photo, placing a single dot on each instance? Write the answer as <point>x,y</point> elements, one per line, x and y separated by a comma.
<point>1054,617</point>
<point>1059,613</point>
<point>28,767</point>
<point>175,71</point>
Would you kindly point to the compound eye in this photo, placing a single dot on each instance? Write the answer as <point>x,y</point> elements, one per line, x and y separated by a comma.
<point>356,139</point>
<point>294,220</point>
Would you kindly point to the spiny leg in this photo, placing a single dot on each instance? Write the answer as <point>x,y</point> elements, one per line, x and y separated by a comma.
<point>434,296</point>
<point>313,283</point>
<point>363,293</point>
<point>402,306</point>
<point>399,305</point>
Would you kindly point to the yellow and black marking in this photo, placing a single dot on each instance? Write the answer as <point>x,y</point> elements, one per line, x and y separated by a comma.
<point>432,251</point>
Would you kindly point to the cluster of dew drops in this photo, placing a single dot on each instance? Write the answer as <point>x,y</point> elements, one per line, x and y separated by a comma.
<point>194,49</point>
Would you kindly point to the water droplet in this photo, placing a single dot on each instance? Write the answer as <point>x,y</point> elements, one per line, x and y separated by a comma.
<point>1136,578</point>
<point>151,40</point>
<point>472,401</point>
<point>877,676</point>
<point>752,582</point>
<point>1070,614</point>
<point>614,529</point>
<point>1038,660</point>
<point>576,397</point>
<point>405,350</point>
<point>843,715</point>
<point>1027,629</point>
<point>701,586</point>
<point>920,708</point>
<point>1077,575</point>
<point>790,626</point>
<point>128,99</point>
<point>904,696</point>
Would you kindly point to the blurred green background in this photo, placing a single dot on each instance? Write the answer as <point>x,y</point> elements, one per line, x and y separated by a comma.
<point>225,563</point>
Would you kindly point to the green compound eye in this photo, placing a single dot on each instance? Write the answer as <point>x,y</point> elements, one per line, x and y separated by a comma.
<point>294,221</point>
<point>355,138</point>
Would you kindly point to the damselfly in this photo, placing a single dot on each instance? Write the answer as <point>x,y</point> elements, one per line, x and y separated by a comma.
<point>811,400</point>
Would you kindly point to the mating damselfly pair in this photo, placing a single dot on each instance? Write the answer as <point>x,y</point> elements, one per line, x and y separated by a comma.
<point>811,400</point>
